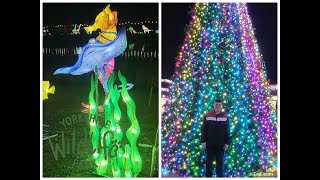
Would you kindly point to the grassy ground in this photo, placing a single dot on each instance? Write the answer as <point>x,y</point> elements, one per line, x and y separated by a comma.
<point>62,112</point>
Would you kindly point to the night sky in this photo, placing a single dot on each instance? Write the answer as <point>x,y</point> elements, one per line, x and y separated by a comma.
<point>75,13</point>
<point>175,17</point>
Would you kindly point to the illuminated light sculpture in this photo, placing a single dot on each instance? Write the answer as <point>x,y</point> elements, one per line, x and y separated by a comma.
<point>219,58</point>
<point>46,89</point>
<point>134,131</point>
<point>132,30</point>
<point>101,51</point>
<point>98,55</point>
<point>131,46</point>
<point>76,30</point>
<point>129,86</point>
<point>106,21</point>
<point>125,162</point>
<point>145,29</point>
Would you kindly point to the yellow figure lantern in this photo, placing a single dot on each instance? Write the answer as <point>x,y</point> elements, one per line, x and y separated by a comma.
<point>46,90</point>
<point>106,21</point>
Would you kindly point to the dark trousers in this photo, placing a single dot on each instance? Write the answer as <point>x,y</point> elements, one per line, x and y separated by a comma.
<point>216,153</point>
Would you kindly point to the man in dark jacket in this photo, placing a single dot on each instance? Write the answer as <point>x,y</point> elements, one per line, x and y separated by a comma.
<point>215,137</point>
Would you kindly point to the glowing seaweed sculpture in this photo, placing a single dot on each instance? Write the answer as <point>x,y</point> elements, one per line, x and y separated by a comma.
<point>110,159</point>
<point>134,131</point>
<point>93,120</point>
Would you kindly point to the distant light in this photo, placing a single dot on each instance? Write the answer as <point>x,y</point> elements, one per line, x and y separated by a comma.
<point>166,80</point>
<point>165,89</point>
<point>273,87</point>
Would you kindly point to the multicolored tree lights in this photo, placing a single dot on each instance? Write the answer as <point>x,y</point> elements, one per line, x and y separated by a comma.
<point>220,58</point>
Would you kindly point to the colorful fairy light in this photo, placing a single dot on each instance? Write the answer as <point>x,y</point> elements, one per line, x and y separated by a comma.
<point>219,58</point>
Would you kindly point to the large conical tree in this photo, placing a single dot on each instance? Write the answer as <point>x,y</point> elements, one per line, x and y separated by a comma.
<point>219,59</point>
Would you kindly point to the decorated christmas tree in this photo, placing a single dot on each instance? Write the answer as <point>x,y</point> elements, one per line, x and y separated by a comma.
<point>219,58</point>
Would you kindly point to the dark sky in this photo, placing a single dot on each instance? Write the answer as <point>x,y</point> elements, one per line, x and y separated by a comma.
<point>175,17</point>
<point>61,13</point>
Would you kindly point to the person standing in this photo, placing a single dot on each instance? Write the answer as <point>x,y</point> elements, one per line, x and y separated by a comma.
<point>215,138</point>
